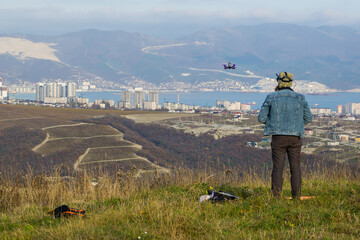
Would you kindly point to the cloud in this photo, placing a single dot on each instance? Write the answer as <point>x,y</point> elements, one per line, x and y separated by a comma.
<point>164,20</point>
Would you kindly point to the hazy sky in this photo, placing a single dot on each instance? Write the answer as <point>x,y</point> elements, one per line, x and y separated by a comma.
<point>168,18</point>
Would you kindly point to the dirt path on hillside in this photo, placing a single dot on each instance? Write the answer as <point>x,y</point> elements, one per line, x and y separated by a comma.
<point>81,158</point>
<point>133,145</point>
<point>34,149</point>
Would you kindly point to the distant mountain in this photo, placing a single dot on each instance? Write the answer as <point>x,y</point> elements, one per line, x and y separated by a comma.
<point>329,55</point>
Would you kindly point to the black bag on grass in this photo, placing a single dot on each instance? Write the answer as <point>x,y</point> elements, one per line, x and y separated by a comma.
<point>65,211</point>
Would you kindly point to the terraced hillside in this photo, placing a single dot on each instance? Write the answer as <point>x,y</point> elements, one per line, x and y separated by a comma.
<point>105,145</point>
<point>43,138</point>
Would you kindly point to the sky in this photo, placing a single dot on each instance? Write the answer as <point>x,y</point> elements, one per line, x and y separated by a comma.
<point>168,19</point>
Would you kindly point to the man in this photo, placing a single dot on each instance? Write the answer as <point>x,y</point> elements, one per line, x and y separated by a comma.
<point>284,114</point>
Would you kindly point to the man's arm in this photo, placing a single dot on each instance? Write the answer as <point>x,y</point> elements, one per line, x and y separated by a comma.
<point>264,111</point>
<point>307,113</point>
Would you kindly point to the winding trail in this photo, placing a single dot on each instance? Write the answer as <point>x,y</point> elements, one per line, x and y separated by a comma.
<point>42,143</point>
<point>97,136</point>
<point>34,149</point>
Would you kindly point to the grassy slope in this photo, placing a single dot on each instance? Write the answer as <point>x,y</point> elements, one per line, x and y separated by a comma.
<point>168,208</point>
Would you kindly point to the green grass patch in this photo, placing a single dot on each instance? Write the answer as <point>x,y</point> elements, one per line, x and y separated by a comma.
<point>174,212</point>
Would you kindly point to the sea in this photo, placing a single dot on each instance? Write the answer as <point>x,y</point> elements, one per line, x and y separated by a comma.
<point>208,99</point>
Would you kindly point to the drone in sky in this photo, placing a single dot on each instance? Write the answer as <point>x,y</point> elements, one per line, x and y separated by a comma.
<point>229,66</point>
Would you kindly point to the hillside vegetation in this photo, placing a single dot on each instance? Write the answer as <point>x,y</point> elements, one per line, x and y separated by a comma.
<point>168,207</point>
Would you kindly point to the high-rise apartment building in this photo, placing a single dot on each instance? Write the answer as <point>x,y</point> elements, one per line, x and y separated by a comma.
<point>71,90</point>
<point>126,96</point>
<point>126,100</point>
<point>153,97</point>
<point>140,98</point>
<point>3,91</point>
<point>40,92</point>
<point>353,108</point>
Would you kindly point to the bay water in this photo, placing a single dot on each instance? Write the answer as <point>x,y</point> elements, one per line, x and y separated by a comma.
<point>207,99</point>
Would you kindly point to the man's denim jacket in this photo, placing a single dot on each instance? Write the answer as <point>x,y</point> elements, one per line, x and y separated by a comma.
<point>285,112</point>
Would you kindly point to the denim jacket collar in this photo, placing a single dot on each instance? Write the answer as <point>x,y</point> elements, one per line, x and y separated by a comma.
<point>288,88</point>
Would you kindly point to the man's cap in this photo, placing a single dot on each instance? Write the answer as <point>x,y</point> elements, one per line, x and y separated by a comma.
<point>285,77</point>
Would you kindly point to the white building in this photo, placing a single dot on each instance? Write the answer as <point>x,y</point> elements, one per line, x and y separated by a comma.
<point>320,110</point>
<point>40,92</point>
<point>53,100</point>
<point>104,101</point>
<point>352,108</point>
<point>234,106</point>
<point>71,90</point>
<point>150,105</point>
<point>3,91</point>
<point>122,104</point>
<point>223,103</point>
<point>54,90</point>
<point>179,106</point>
<point>126,100</point>
<point>140,98</point>
<point>153,97</point>
<point>245,107</point>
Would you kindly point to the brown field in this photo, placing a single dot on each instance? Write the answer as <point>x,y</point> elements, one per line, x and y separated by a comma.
<point>65,132</point>
<point>155,117</point>
<point>139,166</point>
<point>81,131</point>
<point>52,146</point>
<point>110,154</point>
<point>40,117</point>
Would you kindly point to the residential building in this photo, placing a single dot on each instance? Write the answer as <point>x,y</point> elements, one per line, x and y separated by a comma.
<point>54,100</point>
<point>245,107</point>
<point>3,91</point>
<point>99,102</point>
<point>71,90</point>
<point>122,104</point>
<point>352,108</point>
<point>320,110</point>
<point>340,109</point>
<point>126,100</point>
<point>222,104</point>
<point>40,92</point>
<point>153,97</point>
<point>54,90</point>
<point>140,98</point>
<point>234,106</point>
<point>150,105</point>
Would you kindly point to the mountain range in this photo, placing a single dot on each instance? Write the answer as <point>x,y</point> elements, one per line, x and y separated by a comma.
<point>328,55</point>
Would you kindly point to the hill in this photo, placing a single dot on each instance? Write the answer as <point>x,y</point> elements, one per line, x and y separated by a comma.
<point>121,203</point>
<point>167,207</point>
<point>42,139</point>
<point>329,55</point>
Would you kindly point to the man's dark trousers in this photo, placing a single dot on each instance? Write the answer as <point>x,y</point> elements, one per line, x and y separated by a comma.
<point>280,146</point>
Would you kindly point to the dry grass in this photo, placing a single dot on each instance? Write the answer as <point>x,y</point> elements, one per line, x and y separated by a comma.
<point>40,117</point>
<point>166,206</point>
<point>104,154</point>
<point>81,131</point>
